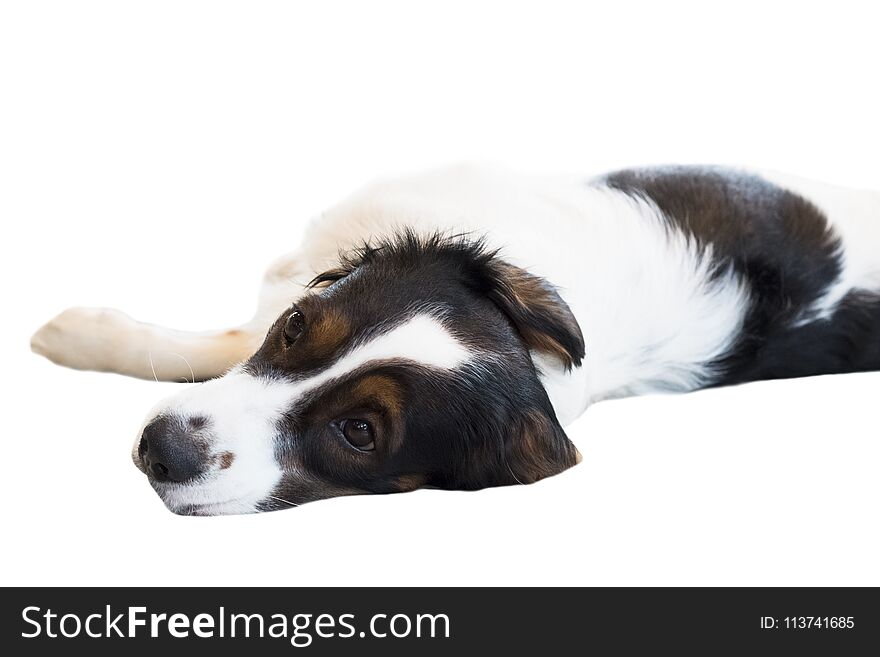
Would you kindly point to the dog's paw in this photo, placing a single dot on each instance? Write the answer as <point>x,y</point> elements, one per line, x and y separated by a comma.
<point>84,338</point>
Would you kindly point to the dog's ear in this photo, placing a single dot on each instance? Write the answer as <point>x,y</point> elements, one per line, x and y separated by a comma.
<point>512,448</point>
<point>536,447</point>
<point>539,314</point>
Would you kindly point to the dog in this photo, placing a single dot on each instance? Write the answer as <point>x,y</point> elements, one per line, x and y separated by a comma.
<point>440,330</point>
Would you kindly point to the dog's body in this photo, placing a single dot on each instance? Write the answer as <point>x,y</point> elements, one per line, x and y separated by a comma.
<point>670,280</point>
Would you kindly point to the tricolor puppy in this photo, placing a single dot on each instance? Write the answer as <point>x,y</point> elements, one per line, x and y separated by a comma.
<point>440,330</point>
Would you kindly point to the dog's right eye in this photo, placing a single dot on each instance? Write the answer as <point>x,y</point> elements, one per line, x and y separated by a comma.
<point>294,326</point>
<point>359,434</point>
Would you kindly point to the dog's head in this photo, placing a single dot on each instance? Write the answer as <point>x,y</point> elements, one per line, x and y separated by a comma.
<point>407,366</point>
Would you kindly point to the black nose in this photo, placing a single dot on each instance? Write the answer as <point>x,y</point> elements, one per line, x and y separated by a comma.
<point>168,451</point>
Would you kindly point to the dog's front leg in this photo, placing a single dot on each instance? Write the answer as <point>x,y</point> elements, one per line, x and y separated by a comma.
<point>108,340</point>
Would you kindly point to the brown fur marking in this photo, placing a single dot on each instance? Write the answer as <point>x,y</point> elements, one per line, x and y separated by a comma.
<point>538,452</point>
<point>383,389</point>
<point>408,483</point>
<point>329,332</point>
<point>537,310</point>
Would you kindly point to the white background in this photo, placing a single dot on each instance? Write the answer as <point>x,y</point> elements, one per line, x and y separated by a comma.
<point>155,156</point>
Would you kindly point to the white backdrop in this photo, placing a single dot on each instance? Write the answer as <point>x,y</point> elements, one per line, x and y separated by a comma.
<point>154,156</point>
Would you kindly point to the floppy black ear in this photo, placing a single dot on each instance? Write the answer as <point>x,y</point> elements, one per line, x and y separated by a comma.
<point>539,314</point>
<point>536,448</point>
<point>513,447</point>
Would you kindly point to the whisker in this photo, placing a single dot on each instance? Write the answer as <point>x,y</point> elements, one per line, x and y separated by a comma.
<point>510,470</point>
<point>188,365</point>
<point>507,465</point>
<point>283,500</point>
<point>152,369</point>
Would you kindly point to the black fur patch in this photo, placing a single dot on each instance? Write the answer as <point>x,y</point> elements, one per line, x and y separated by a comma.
<point>848,341</point>
<point>782,246</point>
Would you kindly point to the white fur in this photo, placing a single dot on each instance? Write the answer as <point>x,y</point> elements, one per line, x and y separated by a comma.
<point>421,339</point>
<point>652,316</point>
<point>243,410</point>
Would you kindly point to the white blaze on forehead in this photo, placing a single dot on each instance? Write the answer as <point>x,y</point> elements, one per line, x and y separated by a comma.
<point>422,339</point>
<point>243,410</point>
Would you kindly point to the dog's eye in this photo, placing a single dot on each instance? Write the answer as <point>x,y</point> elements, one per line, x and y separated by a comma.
<point>359,434</point>
<point>294,326</point>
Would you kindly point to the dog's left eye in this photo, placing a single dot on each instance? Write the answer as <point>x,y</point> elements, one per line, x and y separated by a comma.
<point>359,434</point>
<point>294,326</point>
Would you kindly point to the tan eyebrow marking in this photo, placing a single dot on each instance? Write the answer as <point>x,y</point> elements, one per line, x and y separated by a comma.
<point>381,388</point>
<point>383,391</point>
<point>328,333</point>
